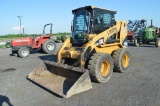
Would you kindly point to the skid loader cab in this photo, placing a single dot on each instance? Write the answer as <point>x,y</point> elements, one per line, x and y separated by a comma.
<point>92,27</point>
<point>90,20</point>
<point>92,53</point>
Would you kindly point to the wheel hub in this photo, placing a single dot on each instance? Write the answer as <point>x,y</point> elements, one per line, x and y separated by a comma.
<point>50,47</point>
<point>125,60</point>
<point>25,52</point>
<point>105,68</point>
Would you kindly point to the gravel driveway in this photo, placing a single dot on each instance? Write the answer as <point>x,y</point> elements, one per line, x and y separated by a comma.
<point>140,86</point>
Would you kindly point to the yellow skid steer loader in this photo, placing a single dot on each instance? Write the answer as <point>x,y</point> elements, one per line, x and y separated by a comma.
<point>96,48</point>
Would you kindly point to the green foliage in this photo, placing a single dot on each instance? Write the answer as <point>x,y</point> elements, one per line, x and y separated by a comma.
<point>13,36</point>
<point>61,34</point>
<point>2,46</point>
<point>8,44</point>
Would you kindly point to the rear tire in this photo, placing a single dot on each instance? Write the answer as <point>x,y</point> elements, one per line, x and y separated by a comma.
<point>49,46</point>
<point>121,58</point>
<point>157,42</point>
<point>23,52</point>
<point>100,67</point>
<point>136,43</point>
<point>131,40</point>
<point>143,42</point>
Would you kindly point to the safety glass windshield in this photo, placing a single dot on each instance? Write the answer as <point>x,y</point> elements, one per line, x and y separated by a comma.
<point>80,24</point>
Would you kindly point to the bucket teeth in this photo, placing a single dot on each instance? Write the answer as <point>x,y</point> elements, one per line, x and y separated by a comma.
<point>61,79</point>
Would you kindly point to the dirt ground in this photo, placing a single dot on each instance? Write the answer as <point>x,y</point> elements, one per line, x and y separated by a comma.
<point>140,86</point>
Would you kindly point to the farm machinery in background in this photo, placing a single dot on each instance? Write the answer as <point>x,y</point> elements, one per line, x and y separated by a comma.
<point>151,34</point>
<point>135,29</point>
<point>59,39</point>
<point>23,46</point>
<point>8,44</point>
<point>138,32</point>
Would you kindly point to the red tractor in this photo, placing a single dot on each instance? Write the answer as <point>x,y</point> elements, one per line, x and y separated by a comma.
<point>130,36</point>
<point>43,42</point>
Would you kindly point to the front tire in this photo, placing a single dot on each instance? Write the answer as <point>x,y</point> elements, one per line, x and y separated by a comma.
<point>136,43</point>
<point>23,52</point>
<point>121,58</point>
<point>100,67</point>
<point>143,42</point>
<point>49,46</point>
<point>157,42</point>
<point>148,42</point>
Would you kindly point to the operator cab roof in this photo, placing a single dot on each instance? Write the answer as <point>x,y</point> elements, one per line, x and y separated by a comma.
<point>89,8</point>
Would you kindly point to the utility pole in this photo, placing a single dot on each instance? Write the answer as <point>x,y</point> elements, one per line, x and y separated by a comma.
<point>20,17</point>
<point>23,30</point>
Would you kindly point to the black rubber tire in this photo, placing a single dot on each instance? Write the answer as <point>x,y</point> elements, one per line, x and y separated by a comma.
<point>148,42</point>
<point>117,58</point>
<point>143,42</point>
<point>7,45</point>
<point>46,46</point>
<point>23,52</point>
<point>94,66</point>
<point>136,43</point>
<point>157,42</point>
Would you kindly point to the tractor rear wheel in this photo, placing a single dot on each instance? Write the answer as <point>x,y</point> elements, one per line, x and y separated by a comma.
<point>121,58</point>
<point>23,52</point>
<point>157,42</point>
<point>148,42</point>
<point>100,67</point>
<point>143,42</point>
<point>136,43</point>
<point>8,45</point>
<point>49,46</point>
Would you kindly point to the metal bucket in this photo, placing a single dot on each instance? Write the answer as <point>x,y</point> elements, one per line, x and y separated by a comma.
<point>61,79</point>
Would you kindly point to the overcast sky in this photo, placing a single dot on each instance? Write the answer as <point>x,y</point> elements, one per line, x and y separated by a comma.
<point>37,13</point>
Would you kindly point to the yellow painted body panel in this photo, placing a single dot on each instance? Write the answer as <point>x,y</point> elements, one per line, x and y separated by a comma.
<point>68,51</point>
<point>107,49</point>
<point>66,44</point>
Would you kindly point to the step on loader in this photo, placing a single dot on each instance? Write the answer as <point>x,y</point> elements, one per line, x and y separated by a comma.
<point>96,48</point>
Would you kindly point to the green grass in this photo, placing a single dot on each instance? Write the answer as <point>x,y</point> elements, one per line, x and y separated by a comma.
<point>14,36</point>
<point>8,38</point>
<point>2,46</point>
